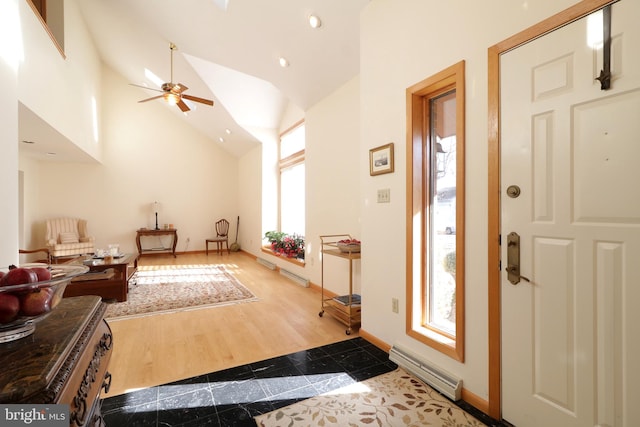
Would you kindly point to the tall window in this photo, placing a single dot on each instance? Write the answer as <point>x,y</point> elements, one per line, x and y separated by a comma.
<point>292,180</point>
<point>435,212</point>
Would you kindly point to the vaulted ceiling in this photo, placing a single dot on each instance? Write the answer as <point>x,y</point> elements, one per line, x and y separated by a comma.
<point>229,51</point>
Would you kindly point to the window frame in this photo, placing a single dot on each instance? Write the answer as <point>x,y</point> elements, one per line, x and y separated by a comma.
<point>290,161</point>
<point>419,157</point>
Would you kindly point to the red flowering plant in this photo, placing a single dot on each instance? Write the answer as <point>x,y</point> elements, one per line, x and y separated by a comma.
<point>288,245</point>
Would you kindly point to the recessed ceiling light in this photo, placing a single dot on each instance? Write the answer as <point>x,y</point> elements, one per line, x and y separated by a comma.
<point>315,21</point>
<point>283,62</point>
<point>228,131</point>
<point>221,139</point>
<point>51,153</point>
<point>27,142</point>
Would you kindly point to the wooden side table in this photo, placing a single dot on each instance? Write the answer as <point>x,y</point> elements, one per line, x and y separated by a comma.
<point>157,233</point>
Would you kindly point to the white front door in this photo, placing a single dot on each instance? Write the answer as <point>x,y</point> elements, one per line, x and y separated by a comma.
<point>571,335</point>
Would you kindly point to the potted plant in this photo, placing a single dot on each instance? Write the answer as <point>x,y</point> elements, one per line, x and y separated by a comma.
<point>288,245</point>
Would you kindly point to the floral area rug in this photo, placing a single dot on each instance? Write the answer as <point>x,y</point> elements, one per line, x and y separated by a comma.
<point>393,399</point>
<point>154,290</point>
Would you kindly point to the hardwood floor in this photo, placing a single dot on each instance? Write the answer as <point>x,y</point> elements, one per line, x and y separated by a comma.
<point>157,349</point>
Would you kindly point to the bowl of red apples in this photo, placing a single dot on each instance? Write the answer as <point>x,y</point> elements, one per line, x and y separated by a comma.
<point>349,245</point>
<point>28,293</point>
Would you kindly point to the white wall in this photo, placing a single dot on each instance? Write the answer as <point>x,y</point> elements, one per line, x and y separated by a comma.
<point>333,187</point>
<point>10,55</point>
<point>60,90</point>
<point>33,227</point>
<point>149,155</point>
<point>250,201</point>
<point>402,43</point>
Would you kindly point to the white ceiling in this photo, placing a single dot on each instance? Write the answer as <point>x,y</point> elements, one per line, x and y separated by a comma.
<point>231,55</point>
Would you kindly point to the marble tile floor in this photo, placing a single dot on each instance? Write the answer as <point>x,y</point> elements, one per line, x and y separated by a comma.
<point>232,397</point>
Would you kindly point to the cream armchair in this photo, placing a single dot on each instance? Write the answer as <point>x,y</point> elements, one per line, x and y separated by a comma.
<point>68,237</point>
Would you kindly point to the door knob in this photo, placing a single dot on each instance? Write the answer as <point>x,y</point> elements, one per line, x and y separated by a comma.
<point>514,275</point>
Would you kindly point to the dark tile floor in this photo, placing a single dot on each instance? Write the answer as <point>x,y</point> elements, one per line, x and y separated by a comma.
<point>234,396</point>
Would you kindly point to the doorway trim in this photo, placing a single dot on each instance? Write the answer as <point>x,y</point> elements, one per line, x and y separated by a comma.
<point>565,17</point>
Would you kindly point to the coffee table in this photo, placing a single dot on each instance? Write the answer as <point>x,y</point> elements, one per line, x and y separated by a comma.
<point>110,280</point>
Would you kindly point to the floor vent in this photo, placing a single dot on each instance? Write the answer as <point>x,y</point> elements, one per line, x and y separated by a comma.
<point>298,279</point>
<point>442,381</point>
<point>266,263</point>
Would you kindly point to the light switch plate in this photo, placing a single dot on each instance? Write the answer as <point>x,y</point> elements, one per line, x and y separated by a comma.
<point>384,195</point>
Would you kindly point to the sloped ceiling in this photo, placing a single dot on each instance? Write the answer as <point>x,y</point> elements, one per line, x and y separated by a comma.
<point>228,51</point>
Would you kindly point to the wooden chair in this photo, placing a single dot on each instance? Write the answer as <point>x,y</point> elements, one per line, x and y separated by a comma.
<point>44,250</point>
<point>222,236</point>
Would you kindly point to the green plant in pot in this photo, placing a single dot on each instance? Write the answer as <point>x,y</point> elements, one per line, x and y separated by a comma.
<point>288,245</point>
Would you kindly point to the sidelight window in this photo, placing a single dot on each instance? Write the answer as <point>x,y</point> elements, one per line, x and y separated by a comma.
<point>435,214</point>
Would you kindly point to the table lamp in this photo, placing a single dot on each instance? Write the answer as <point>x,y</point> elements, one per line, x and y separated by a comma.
<point>156,206</point>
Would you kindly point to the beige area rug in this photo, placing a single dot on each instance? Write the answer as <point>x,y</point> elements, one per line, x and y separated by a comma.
<point>393,399</point>
<point>163,289</point>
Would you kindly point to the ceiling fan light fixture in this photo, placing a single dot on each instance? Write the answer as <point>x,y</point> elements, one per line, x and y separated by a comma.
<point>315,21</point>
<point>172,93</point>
<point>171,98</point>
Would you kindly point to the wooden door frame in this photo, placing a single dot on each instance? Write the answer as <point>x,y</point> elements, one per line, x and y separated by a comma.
<point>571,14</point>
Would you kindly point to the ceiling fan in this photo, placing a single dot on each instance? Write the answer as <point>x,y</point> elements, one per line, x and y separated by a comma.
<point>173,92</point>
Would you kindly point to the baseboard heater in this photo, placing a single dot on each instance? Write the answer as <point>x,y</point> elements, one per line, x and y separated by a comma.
<point>298,279</point>
<point>268,264</point>
<point>437,378</point>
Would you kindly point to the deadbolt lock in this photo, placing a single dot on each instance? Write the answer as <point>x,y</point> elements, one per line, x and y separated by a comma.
<point>513,191</point>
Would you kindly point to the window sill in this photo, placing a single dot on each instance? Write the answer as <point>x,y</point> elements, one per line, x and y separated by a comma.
<point>295,261</point>
<point>439,342</point>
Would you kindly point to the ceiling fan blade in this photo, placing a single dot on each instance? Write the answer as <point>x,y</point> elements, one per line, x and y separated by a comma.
<point>183,107</point>
<point>146,87</point>
<point>196,99</point>
<point>152,98</point>
<point>178,88</point>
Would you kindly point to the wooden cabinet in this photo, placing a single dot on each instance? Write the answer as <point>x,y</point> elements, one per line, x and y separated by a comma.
<point>344,308</point>
<point>63,362</point>
<point>143,232</point>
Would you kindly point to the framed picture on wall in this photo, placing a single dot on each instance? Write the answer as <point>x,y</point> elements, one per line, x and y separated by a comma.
<point>381,159</point>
